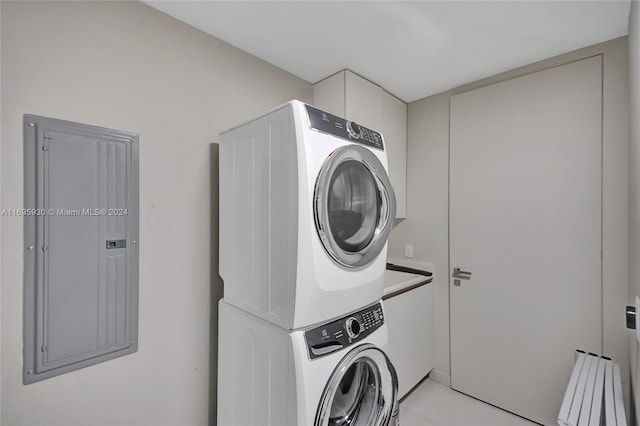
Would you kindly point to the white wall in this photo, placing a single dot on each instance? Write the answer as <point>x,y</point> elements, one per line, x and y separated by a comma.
<point>127,66</point>
<point>634,188</point>
<point>1,204</point>
<point>427,222</point>
<point>426,225</point>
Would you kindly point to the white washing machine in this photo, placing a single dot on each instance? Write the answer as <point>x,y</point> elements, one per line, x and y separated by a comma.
<point>333,374</point>
<point>306,207</point>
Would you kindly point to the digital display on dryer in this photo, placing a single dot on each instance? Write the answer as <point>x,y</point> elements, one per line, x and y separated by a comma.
<point>338,126</point>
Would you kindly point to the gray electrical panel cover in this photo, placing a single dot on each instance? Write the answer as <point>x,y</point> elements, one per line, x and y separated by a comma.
<point>80,246</point>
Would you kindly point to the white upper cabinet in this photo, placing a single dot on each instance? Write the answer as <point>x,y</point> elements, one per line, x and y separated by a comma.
<point>394,130</point>
<point>350,96</point>
<point>329,94</point>
<point>363,101</point>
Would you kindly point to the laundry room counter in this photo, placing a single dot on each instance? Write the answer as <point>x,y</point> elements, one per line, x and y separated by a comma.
<point>408,304</point>
<point>396,282</point>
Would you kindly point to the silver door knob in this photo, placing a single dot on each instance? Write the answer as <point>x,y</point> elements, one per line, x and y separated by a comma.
<point>460,274</point>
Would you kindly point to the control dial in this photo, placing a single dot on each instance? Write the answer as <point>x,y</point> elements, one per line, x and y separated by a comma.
<point>353,327</point>
<point>354,130</point>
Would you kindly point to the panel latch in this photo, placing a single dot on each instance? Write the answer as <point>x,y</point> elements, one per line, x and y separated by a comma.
<point>116,244</point>
<point>630,314</point>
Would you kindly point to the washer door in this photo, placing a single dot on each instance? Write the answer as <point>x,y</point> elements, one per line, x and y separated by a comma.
<point>354,206</point>
<point>362,390</point>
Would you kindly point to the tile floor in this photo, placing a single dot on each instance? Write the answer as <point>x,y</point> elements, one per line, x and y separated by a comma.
<point>433,404</point>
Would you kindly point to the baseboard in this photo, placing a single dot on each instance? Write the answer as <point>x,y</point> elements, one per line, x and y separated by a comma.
<point>440,377</point>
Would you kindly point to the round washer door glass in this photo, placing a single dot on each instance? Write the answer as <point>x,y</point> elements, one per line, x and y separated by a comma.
<point>362,390</point>
<point>354,205</point>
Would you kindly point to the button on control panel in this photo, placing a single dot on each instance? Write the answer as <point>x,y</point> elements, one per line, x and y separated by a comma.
<point>338,334</point>
<point>371,136</point>
<point>328,123</point>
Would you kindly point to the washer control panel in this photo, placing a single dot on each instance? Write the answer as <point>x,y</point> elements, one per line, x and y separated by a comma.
<point>350,130</point>
<point>343,332</point>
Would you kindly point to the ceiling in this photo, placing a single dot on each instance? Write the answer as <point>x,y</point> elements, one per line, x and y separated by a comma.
<point>413,49</point>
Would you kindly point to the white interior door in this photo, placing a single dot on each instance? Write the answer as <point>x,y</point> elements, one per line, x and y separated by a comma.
<point>525,220</point>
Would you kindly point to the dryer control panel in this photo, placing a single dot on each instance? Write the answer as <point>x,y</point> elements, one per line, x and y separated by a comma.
<point>343,332</point>
<point>342,128</point>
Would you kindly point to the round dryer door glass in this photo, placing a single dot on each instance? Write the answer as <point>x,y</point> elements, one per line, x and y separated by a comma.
<point>354,206</point>
<point>361,392</point>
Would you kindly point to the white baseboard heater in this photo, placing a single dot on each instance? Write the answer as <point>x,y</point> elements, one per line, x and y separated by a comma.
<point>594,393</point>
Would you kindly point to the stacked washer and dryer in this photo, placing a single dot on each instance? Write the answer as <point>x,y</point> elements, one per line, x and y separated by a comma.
<point>306,207</point>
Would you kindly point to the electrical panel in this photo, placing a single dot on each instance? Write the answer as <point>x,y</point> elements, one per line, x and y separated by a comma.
<point>80,246</point>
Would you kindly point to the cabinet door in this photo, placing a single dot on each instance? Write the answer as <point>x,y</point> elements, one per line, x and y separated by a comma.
<point>410,322</point>
<point>394,130</point>
<point>363,101</point>
<point>328,94</point>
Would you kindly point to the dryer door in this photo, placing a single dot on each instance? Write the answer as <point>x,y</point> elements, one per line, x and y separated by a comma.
<point>362,391</point>
<point>354,206</point>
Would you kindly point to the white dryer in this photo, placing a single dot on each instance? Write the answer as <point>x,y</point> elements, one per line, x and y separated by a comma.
<point>306,207</point>
<point>333,374</point>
